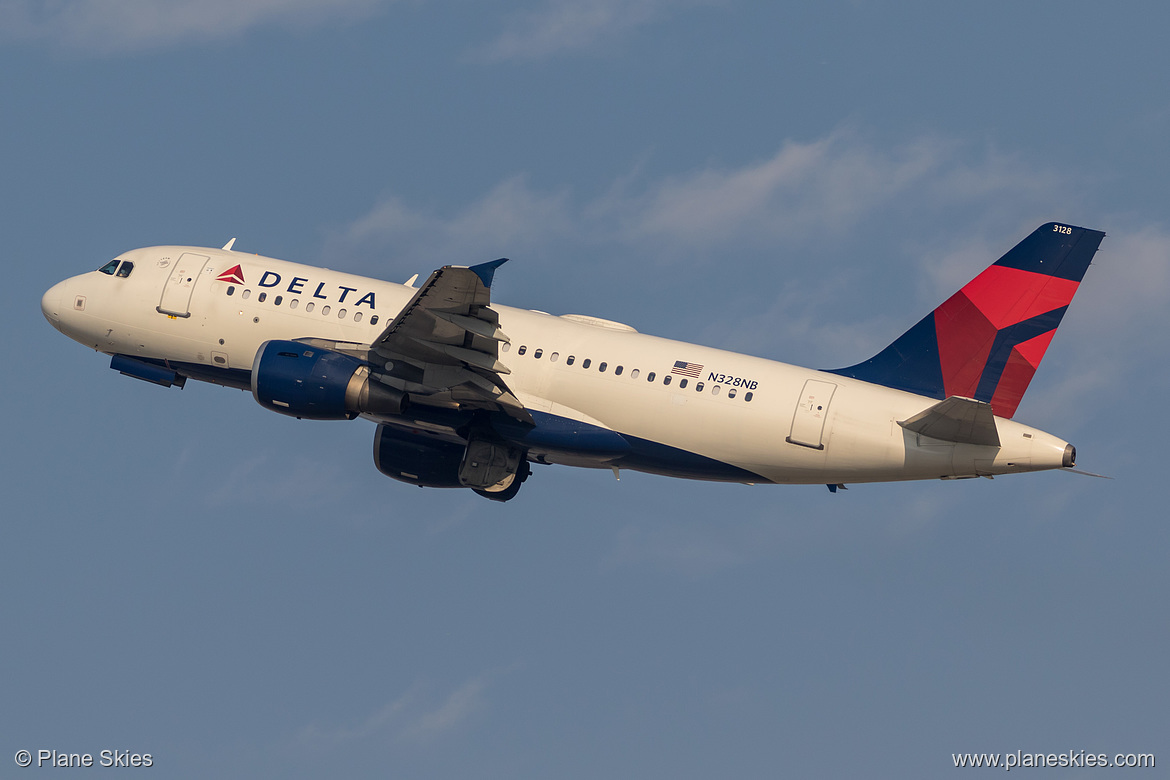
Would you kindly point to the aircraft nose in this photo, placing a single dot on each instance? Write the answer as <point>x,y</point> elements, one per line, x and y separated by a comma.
<point>51,304</point>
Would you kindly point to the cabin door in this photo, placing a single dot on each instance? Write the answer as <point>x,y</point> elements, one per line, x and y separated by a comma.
<point>176,295</point>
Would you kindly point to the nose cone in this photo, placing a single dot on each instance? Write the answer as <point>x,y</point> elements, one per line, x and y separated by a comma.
<point>51,304</point>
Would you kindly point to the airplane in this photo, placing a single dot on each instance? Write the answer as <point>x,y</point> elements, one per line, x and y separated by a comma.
<point>470,394</point>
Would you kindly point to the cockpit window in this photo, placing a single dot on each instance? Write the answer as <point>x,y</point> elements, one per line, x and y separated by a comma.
<point>109,267</point>
<point>125,269</point>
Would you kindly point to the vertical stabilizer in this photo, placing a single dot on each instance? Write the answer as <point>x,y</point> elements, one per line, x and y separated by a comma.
<point>986,341</point>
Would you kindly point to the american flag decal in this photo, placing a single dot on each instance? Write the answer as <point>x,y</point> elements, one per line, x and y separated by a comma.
<point>687,369</point>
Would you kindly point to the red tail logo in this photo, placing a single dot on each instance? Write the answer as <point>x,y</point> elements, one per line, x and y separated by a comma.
<point>986,340</point>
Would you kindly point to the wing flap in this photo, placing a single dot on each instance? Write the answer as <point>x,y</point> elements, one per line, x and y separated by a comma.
<point>476,326</point>
<point>451,336</point>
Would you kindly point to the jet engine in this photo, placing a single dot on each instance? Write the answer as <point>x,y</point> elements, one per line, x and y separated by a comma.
<point>319,384</point>
<point>490,467</point>
<point>417,458</point>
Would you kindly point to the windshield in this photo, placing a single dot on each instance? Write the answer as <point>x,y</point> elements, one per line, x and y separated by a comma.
<point>123,271</point>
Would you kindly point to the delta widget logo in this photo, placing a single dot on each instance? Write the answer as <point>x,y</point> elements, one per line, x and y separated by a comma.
<point>233,275</point>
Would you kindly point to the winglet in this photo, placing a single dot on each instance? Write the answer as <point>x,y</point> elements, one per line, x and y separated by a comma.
<point>486,271</point>
<point>228,245</point>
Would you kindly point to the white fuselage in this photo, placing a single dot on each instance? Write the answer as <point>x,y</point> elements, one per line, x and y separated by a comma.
<point>775,422</point>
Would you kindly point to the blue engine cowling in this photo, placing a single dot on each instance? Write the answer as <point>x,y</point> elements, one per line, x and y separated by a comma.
<point>417,458</point>
<point>318,384</point>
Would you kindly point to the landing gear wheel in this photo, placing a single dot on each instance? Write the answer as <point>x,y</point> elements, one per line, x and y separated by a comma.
<point>508,493</point>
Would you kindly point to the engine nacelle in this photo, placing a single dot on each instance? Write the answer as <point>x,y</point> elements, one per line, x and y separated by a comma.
<point>318,384</point>
<point>492,469</point>
<point>417,459</point>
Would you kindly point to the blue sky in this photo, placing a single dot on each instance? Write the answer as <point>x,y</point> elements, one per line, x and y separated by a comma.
<point>244,595</point>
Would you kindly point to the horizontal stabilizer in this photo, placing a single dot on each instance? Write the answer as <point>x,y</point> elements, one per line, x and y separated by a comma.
<point>957,419</point>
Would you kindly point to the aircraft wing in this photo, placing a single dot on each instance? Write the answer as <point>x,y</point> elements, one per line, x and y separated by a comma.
<point>444,346</point>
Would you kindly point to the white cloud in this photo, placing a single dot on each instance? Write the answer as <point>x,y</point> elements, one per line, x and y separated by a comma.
<point>804,191</point>
<point>457,707</point>
<point>413,717</point>
<point>508,219</point>
<point>384,721</point>
<point>803,186</point>
<point>121,25</point>
<point>823,188</point>
<point>910,224</point>
<point>574,25</point>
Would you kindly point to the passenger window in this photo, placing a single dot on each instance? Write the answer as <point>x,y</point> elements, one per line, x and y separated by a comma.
<point>261,297</point>
<point>109,267</point>
<point>374,320</point>
<point>125,270</point>
<point>231,289</point>
<point>357,316</point>
<point>601,368</point>
<point>324,310</point>
<point>522,350</point>
<point>341,314</point>
<point>505,346</point>
<point>617,371</point>
<point>309,306</point>
<point>715,390</point>
<point>553,357</point>
<point>294,303</point>
<point>634,373</point>
<point>698,387</point>
<point>666,379</point>
<point>747,396</point>
<point>569,360</point>
<point>731,392</point>
<point>246,294</point>
<point>538,353</point>
<point>682,383</point>
<point>650,377</point>
<point>276,301</point>
<point>585,363</point>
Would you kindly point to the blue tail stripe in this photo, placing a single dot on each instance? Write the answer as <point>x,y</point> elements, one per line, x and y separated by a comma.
<point>911,363</point>
<point>1049,250</point>
<point>1005,341</point>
